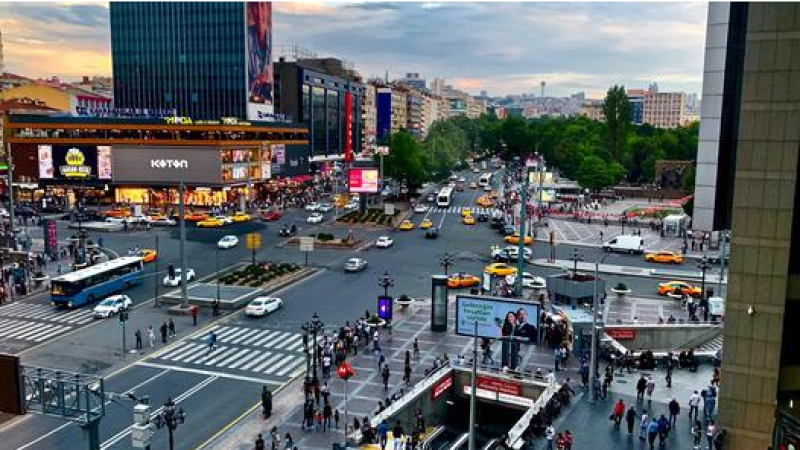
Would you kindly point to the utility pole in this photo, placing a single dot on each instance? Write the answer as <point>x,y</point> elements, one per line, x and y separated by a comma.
<point>11,223</point>
<point>521,243</point>
<point>722,255</point>
<point>184,274</point>
<point>155,275</point>
<point>473,384</point>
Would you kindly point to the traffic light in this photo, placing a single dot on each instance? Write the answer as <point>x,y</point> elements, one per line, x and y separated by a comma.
<point>123,316</point>
<point>171,271</point>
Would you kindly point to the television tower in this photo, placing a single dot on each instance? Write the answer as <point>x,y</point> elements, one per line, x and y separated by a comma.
<point>543,84</point>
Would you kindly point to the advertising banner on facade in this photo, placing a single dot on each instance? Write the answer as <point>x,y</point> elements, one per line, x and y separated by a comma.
<point>167,165</point>
<point>498,318</point>
<point>50,237</point>
<point>363,180</point>
<point>259,61</point>
<point>74,162</point>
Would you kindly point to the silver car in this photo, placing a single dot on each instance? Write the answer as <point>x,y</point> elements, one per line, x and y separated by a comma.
<point>355,265</point>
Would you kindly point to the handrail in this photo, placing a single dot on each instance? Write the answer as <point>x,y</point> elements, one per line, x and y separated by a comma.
<point>514,439</point>
<point>459,442</point>
<point>427,442</point>
<point>491,444</point>
<point>700,339</point>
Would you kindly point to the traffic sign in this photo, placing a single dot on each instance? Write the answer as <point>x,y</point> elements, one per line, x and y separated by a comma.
<point>307,244</point>
<point>253,241</point>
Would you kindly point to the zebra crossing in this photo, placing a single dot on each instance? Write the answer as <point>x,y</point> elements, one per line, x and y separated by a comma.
<point>35,322</point>
<point>254,352</point>
<point>458,209</point>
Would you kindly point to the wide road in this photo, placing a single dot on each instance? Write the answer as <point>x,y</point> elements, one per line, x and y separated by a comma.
<point>217,386</point>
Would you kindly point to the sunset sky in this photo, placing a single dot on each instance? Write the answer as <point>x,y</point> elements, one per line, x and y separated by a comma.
<point>499,47</point>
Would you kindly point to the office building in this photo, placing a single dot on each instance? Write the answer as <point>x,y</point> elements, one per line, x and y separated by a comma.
<point>204,60</point>
<point>636,100</point>
<point>664,109</point>
<point>593,109</point>
<point>751,70</point>
<point>413,80</point>
<point>369,118</point>
<point>392,109</point>
<point>325,95</point>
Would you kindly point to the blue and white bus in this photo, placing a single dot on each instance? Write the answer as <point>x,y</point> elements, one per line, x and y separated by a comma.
<point>445,197</point>
<point>95,282</point>
<point>485,180</point>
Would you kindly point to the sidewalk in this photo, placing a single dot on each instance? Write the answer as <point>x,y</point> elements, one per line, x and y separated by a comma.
<point>627,270</point>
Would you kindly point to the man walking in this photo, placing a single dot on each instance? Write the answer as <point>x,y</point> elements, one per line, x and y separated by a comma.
<point>630,418</point>
<point>266,402</point>
<point>138,336</point>
<point>163,332</point>
<point>399,436</point>
<point>674,410</point>
<point>171,327</point>
<point>694,403</point>
<point>151,336</point>
<point>385,376</point>
<point>193,313</point>
<point>651,386</point>
<point>618,412</point>
<point>550,435</point>
<point>641,385</point>
<point>212,339</point>
<point>383,431</point>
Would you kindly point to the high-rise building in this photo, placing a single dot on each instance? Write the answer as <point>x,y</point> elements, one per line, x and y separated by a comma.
<point>205,60</point>
<point>751,67</point>
<point>369,117</point>
<point>437,87</point>
<point>413,80</point>
<point>2,60</point>
<point>636,100</point>
<point>392,109</point>
<point>664,109</point>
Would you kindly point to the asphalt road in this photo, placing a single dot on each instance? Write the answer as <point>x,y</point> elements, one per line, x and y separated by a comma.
<point>216,387</point>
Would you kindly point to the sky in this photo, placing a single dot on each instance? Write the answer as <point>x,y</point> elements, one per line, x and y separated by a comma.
<point>502,48</point>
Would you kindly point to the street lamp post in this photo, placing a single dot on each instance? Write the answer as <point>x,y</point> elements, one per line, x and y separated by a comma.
<point>704,265</point>
<point>386,282</point>
<point>575,258</point>
<point>446,261</point>
<point>313,327</point>
<point>521,244</point>
<point>595,309</point>
<point>170,417</point>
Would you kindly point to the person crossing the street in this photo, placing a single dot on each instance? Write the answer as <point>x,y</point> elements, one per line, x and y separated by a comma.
<point>138,336</point>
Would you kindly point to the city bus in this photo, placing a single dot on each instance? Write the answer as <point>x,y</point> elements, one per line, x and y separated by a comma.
<point>486,180</point>
<point>445,197</point>
<point>95,282</point>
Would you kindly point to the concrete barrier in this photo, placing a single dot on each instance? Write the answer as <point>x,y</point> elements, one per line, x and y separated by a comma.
<point>664,337</point>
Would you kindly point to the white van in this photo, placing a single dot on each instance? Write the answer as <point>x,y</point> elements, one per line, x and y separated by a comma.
<point>625,244</point>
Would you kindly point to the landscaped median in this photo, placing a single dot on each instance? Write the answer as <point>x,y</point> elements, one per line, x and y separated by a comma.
<point>328,240</point>
<point>259,275</point>
<point>372,216</point>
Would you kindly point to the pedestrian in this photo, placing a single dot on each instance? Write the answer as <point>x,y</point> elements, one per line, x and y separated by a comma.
<point>711,431</point>
<point>694,403</point>
<point>550,435</point>
<point>416,348</point>
<point>275,438</point>
<point>407,374</point>
<point>171,327</point>
<point>326,416</point>
<point>381,360</point>
<point>557,356</point>
<point>674,410</point>
<point>630,418</point>
<point>618,412</point>
<point>398,435</point>
<point>288,443</point>
<point>266,402</point>
<point>212,340</point>
<point>697,434</point>
<point>641,385</point>
<point>260,442</point>
<point>151,336</point>
<point>710,401</point>
<point>383,431</point>
<point>652,432</point>
<point>336,417</point>
<point>663,429</point>
<point>567,440</point>
<point>651,385</point>
<point>385,376</point>
<point>163,330</point>
<point>138,335</point>
<point>193,313</point>
<point>643,425</point>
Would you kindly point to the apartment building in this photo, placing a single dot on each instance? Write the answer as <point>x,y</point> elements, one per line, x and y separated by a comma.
<point>664,109</point>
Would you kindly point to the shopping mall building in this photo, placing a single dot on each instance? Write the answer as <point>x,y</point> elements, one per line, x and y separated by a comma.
<point>57,160</point>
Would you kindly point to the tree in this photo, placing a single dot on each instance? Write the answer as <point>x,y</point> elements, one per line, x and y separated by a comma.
<point>596,174</point>
<point>689,179</point>
<point>617,111</point>
<point>404,161</point>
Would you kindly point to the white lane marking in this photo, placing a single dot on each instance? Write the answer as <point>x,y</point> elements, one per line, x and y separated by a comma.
<point>232,357</point>
<point>267,362</point>
<point>192,352</point>
<point>254,354</point>
<point>289,367</point>
<point>264,355</point>
<point>212,373</point>
<point>279,363</point>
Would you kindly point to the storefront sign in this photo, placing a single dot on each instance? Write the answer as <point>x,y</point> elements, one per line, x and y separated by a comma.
<point>500,386</point>
<point>482,393</point>
<point>621,334</point>
<point>515,400</point>
<point>71,162</point>
<point>279,153</point>
<point>442,386</point>
<point>167,165</point>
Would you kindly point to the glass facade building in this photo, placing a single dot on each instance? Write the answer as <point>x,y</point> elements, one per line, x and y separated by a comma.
<point>188,56</point>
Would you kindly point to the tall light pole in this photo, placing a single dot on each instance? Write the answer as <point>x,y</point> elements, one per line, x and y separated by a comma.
<point>446,261</point>
<point>314,327</point>
<point>184,275</point>
<point>170,417</point>
<point>704,265</point>
<point>575,258</point>
<point>521,243</point>
<point>595,309</point>
<point>386,282</point>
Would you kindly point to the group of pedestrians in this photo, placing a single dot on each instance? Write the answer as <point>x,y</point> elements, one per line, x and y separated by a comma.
<point>166,331</point>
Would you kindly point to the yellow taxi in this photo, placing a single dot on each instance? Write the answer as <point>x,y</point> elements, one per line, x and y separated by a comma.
<point>469,220</point>
<point>484,201</point>
<point>514,239</point>
<point>462,280</point>
<point>148,255</point>
<point>466,212</point>
<point>241,217</point>
<point>211,222</point>
<point>664,257</point>
<point>499,269</point>
<point>674,287</point>
<point>406,225</point>
<point>425,224</point>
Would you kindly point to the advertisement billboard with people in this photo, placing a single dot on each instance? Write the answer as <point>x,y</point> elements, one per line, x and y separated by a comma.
<point>259,61</point>
<point>498,318</point>
<point>363,181</point>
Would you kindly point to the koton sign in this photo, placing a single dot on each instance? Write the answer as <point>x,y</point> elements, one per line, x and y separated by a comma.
<point>169,164</point>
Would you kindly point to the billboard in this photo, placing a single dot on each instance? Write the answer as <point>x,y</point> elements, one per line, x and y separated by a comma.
<point>167,165</point>
<point>259,61</point>
<point>498,318</point>
<point>363,180</point>
<point>74,162</point>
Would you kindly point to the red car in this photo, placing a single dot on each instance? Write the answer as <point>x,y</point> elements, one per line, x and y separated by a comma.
<point>271,216</point>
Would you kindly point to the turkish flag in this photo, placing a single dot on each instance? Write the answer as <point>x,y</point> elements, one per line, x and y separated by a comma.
<point>345,371</point>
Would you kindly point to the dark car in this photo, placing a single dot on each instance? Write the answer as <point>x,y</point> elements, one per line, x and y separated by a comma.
<point>508,230</point>
<point>24,211</point>
<point>53,209</point>
<point>483,217</point>
<point>498,223</point>
<point>432,233</point>
<point>430,198</point>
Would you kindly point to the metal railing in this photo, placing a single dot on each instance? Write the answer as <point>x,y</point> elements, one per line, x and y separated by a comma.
<point>459,442</point>
<point>426,444</point>
<point>515,440</point>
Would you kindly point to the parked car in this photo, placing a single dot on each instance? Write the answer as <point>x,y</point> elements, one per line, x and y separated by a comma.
<point>384,242</point>
<point>111,306</point>
<point>355,265</point>
<point>261,306</point>
<point>228,241</point>
<point>315,218</point>
<point>176,280</point>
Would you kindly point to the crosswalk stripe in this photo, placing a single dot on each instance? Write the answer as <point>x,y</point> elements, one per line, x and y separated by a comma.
<point>296,346</point>
<point>287,341</point>
<point>211,354</point>
<point>244,336</point>
<point>181,347</point>
<point>254,337</point>
<point>13,326</point>
<point>282,340</point>
<point>268,338</point>
<point>279,363</point>
<point>259,367</point>
<point>232,336</point>
<point>33,329</point>
<point>233,357</point>
<point>220,355</point>
<point>58,331</point>
<point>264,355</point>
<point>289,367</point>
<point>194,350</point>
<point>196,355</point>
<point>226,331</point>
<point>47,329</point>
<point>245,358</point>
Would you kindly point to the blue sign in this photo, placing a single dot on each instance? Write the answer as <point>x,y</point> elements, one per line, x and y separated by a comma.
<point>385,307</point>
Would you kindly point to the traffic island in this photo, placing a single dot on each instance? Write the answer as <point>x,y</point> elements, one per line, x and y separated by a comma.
<point>372,216</point>
<point>327,240</point>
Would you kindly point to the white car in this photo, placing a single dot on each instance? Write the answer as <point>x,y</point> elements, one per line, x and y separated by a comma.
<point>511,253</point>
<point>177,280</point>
<point>137,219</point>
<point>528,281</point>
<point>487,188</point>
<point>351,206</point>
<point>229,241</point>
<point>226,220</point>
<point>325,207</point>
<point>163,221</point>
<point>453,177</point>
<point>462,180</point>
<point>384,242</point>
<point>476,170</point>
<point>315,218</point>
<point>355,265</point>
<point>312,206</point>
<point>420,208</point>
<point>261,306</point>
<point>112,305</point>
